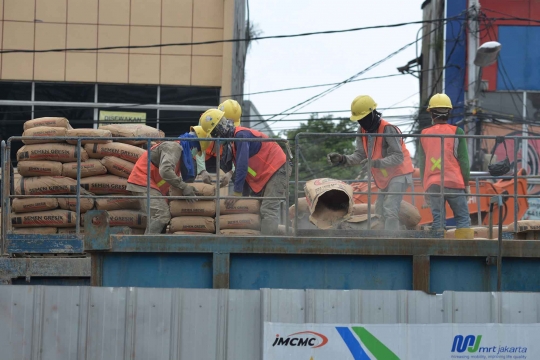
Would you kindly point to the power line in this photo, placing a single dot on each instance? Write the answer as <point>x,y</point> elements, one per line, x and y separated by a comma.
<point>326,32</point>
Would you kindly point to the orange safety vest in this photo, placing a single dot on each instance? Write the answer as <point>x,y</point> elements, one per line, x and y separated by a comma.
<point>264,164</point>
<point>382,176</point>
<point>139,175</point>
<point>432,148</point>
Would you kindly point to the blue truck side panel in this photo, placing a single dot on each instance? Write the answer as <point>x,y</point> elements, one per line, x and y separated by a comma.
<point>520,58</point>
<point>158,270</point>
<point>321,272</point>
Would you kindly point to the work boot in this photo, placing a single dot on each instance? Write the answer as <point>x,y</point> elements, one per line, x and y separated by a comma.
<point>392,224</point>
<point>269,226</point>
<point>464,234</point>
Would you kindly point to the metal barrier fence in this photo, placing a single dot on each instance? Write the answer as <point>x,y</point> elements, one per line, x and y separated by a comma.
<point>6,175</point>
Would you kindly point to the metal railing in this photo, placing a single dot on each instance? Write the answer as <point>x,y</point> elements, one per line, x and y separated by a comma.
<point>6,185</point>
<point>7,196</point>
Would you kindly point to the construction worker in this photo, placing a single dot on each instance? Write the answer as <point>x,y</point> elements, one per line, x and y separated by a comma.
<point>262,165</point>
<point>171,165</point>
<point>391,165</point>
<point>456,167</point>
<point>233,112</point>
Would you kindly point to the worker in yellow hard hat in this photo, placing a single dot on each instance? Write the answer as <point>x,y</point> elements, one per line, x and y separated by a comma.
<point>232,110</point>
<point>391,165</point>
<point>456,168</point>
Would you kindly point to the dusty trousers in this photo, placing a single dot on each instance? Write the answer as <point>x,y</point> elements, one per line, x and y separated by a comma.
<point>277,186</point>
<point>160,214</point>
<point>388,205</point>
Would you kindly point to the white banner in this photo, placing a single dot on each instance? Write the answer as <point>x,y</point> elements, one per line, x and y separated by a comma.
<point>400,341</point>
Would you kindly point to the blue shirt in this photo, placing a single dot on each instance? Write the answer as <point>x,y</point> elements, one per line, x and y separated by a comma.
<point>244,150</point>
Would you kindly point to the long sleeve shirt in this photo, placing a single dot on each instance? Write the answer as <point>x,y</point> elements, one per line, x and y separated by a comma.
<point>391,150</point>
<point>244,150</point>
<point>460,152</point>
<point>166,157</point>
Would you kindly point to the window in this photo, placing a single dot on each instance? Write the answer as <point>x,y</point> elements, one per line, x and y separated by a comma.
<point>189,95</point>
<point>127,94</point>
<point>15,90</point>
<point>64,92</point>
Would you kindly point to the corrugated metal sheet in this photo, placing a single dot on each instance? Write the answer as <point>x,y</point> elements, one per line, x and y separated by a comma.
<point>62,322</point>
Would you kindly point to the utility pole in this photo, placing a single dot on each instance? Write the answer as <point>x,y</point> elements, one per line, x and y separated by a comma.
<point>473,71</point>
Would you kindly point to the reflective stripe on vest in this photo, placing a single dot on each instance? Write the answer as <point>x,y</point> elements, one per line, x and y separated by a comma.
<point>264,164</point>
<point>382,176</point>
<point>433,163</point>
<point>139,175</point>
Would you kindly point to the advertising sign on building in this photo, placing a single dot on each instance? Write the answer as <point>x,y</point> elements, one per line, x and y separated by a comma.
<point>400,341</point>
<point>119,117</point>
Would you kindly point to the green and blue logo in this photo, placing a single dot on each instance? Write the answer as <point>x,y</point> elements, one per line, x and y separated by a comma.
<point>470,343</point>
<point>370,342</point>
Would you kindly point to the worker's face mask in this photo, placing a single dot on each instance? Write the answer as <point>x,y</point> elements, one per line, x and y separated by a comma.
<point>370,123</point>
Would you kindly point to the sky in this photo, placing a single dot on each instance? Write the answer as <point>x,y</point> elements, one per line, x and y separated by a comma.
<point>319,59</point>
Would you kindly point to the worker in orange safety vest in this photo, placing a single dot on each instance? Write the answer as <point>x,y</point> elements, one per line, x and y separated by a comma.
<point>456,168</point>
<point>391,165</point>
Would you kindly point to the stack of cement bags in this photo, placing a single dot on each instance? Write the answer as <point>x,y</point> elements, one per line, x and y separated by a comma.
<point>195,217</point>
<point>118,158</point>
<point>243,218</point>
<point>41,169</point>
<point>49,167</point>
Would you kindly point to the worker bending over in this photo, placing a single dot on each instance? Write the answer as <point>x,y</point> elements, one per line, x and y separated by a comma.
<point>391,165</point>
<point>233,112</point>
<point>262,165</point>
<point>456,167</point>
<point>171,165</point>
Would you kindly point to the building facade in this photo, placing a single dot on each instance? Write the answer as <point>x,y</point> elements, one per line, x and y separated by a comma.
<point>164,86</point>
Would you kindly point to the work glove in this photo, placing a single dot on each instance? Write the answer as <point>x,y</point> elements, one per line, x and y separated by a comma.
<point>225,179</point>
<point>205,177</point>
<point>189,190</point>
<point>334,158</point>
<point>231,202</point>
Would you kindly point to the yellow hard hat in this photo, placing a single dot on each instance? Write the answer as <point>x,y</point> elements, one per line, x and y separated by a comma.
<point>209,119</point>
<point>439,101</point>
<point>201,135</point>
<point>361,106</point>
<point>232,110</point>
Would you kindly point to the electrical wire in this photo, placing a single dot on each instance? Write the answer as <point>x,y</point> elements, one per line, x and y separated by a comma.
<point>326,32</point>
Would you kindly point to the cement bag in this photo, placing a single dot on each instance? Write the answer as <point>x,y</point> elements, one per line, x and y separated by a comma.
<point>55,218</point>
<point>123,151</point>
<point>90,167</point>
<point>408,213</point>
<point>197,208</point>
<point>105,184</point>
<point>117,166</point>
<point>128,231</point>
<point>203,224</point>
<point>70,231</point>
<point>201,189</point>
<point>47,185</point>
<point>47,121</point>
<point>117,204</point>
<point>524,225</point>
<point>243,206</point>
<point>303,209</point>
<point>35,231</point>
<point>240,221</point>
<point>131,218</point>
<point>133,130</point>
<point>239,232</point>
<point>88,133</point>
<point>71,204</point>
<point>329,201</point>
<point>44,131</point>
<point>40,168</point>
<point>188,233</point>
<point>33,204</point>
<point>359,222</point>
<point>53,152</point>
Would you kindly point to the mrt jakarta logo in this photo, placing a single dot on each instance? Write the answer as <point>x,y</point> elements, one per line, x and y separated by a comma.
<point>378,350</point>
<point>472,344</point>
